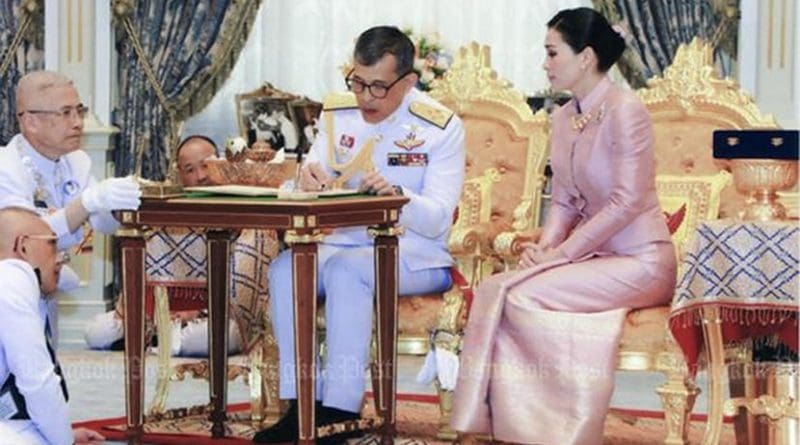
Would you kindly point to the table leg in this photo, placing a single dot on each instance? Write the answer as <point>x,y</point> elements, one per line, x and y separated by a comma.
<point>712,333</point>
<point>218,254</point>
<point>304,287</point>
<point>133,244</point>
<point>386,284</point>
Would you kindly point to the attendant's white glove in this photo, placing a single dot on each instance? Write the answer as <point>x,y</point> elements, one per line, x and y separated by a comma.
<point>440,363</point>
<point>447,368</point>
<point>68,280</point>
<point>112,194</point>
<point>428,371</point>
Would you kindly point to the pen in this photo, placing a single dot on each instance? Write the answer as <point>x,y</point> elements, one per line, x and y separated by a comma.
<point>297,171</point>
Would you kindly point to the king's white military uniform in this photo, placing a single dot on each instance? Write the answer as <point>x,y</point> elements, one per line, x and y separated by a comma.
<point>420,147</point>
<point>24,354</point>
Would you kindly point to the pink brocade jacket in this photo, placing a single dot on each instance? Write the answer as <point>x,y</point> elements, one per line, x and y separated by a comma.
<point>604,198</point>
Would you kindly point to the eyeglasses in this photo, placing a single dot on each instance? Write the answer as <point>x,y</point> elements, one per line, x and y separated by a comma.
<point>377,90</point>
<point>61,257</point>
<point>64,113</point>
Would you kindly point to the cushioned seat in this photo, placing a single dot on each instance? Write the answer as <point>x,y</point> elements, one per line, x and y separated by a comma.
<point>644,329</point>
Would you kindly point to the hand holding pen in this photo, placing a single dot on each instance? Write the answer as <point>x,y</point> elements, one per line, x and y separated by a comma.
<point>313,178</point>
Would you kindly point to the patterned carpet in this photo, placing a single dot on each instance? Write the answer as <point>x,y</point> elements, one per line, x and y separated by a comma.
<point>416,425</point>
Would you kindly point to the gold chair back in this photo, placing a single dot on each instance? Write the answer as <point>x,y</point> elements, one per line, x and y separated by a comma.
<point>507,149</point>
<point>686,105</point>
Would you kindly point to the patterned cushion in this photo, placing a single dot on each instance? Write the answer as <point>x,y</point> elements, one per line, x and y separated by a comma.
<point>687,200</point>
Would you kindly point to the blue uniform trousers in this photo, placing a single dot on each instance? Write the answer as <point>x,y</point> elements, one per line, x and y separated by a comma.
<point>346,284</point>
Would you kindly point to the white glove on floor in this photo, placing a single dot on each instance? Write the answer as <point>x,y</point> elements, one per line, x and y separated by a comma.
<point>112,194</point>
<point>442,363</point>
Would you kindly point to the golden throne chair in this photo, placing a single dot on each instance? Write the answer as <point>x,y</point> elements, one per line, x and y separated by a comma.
<point>506,153</point>
<point>686,105</point>
<point>504,143</point>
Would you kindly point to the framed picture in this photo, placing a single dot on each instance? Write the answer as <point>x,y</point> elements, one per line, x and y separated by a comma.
<point>305,113</point>
<point>265,115</point>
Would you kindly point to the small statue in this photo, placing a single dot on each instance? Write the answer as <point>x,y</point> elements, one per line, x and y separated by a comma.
<point>235,149</point>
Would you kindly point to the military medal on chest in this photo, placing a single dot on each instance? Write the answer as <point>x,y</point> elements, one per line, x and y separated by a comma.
<point>411,140</point>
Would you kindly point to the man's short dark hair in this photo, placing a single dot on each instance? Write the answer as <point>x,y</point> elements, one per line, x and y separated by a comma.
<point>378,41</point>
<point>189,138</point>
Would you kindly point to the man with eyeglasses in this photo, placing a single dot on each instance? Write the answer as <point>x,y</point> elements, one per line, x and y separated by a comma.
<point>43,167</point>
<point>33,392</point>
<point>384,137</point>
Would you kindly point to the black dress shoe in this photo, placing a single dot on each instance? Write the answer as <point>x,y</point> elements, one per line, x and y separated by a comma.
<point>285,429</point>
<point>327,415</point>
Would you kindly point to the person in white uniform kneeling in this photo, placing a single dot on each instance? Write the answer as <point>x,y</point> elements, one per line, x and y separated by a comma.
<point>33,392</point>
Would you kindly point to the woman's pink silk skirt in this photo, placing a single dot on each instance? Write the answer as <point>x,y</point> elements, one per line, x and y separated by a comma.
<point>541,344</point>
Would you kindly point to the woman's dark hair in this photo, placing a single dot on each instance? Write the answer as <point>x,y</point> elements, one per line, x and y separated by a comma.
<point>378,41</point>
<point>582,27</point>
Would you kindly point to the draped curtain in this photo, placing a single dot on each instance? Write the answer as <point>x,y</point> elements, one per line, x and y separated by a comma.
<point>657,27</point>
<point>173,55</point>
<point>299,45</point>
<point>21,43</point>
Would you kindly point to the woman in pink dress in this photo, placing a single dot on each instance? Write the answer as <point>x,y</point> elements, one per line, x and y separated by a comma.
<point>540,348</point>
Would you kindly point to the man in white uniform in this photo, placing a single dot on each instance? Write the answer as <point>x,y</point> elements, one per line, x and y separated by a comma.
<point>33,393</point>
<point>190,328</point>
<point>386,138</point>
<point>43,168</point>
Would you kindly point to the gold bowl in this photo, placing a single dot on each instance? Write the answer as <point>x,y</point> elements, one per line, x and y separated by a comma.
<point>263,174</point>
<point>760,180</point>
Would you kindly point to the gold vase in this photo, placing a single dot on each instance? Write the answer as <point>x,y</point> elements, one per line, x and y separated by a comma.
<point>760,180</point>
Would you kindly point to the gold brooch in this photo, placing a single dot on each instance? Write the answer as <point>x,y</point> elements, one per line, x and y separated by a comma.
<point>580,121</point>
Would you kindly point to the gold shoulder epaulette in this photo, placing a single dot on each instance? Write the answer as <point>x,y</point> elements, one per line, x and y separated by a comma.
<point>435,115</point>
<point>339,101</point>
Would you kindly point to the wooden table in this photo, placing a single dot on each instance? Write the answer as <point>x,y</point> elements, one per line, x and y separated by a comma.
<point>304,223</point>
<point>739,280</point>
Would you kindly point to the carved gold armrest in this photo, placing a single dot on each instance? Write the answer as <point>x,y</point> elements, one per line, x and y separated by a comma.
<point>464,240</point>
<point>508,245</point>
